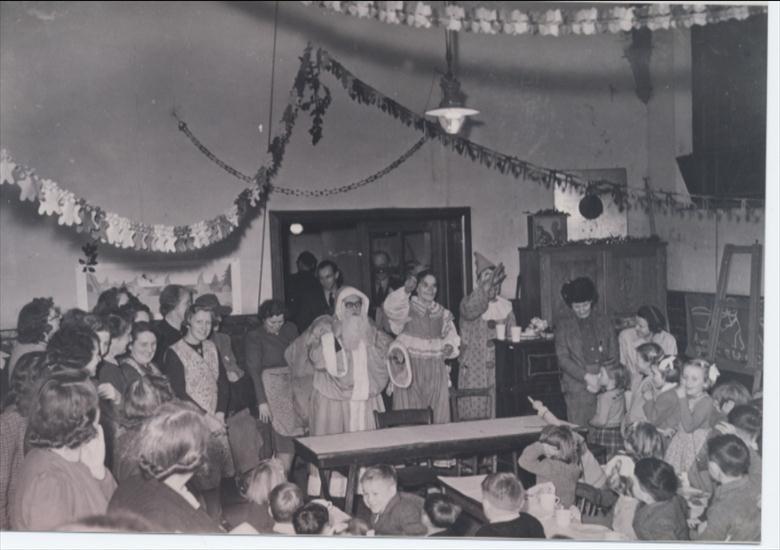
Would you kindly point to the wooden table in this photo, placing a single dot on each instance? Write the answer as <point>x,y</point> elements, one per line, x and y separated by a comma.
<point>467,493</point>
<point>410,443</point>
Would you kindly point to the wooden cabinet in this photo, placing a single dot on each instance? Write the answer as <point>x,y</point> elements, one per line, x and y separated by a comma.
<point>527,369</point>
<point>627,275</point>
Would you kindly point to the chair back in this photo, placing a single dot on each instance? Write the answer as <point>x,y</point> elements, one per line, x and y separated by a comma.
<point>457,394</point>
<point>403,417</point>
<point>587,498</point>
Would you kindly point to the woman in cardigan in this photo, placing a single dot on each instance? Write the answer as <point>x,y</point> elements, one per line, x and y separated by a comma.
<point>196,374</point>
<point>171,446</point>
<point>63,477</point>
<point>650,326</point>
<point>264,350</point>
<point>584,343</point>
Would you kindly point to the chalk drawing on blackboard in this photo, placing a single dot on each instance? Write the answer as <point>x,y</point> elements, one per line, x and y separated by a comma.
<point>732,343</point>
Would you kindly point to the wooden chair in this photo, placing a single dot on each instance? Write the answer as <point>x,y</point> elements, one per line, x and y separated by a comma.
<point>411,476</point>
<point>455,396</point>
<point>589,500</point>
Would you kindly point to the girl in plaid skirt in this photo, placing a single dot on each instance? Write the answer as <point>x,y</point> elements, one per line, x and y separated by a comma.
<point>610,409</point>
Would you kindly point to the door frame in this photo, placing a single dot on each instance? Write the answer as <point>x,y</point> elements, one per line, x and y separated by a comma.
<point>280,220</point>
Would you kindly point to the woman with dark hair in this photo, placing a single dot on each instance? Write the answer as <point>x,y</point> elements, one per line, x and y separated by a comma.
<point>63,477</point>
<point>427,330</point>
<point>584,343</point>
<point>264,350</point>
<point>141,399</point>
<point>37,321</point>
<point>75,346</point>
<point>109,371</point>
<point>139,361</point>
<point>171,448</point>
<point>29,372</point>
<point>649,326</point>
<point>175,300</point>
<point>196,373</point>
<point>111,300</point>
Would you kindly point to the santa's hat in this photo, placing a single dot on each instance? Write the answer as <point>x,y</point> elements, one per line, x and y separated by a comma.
<point>482,263</point>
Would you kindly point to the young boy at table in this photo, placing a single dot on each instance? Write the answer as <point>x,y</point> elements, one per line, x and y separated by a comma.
<point>502,501</point>
<point>284,501</point>
<point>392,512</point>
<point>440,516</point>
<point>733,514</point>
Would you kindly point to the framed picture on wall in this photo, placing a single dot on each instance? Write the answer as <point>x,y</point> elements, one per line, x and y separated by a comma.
<point>547,228</point>
<point>221,277</point>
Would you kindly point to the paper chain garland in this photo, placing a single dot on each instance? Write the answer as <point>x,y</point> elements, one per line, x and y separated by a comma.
<point>111,228</point>
<point>557,22</point>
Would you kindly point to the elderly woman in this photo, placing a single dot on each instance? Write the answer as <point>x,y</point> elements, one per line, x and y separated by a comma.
<point>30,370</point>
<point>584,343</point>
<point>37,321</point>
<point>649,326</point>
<point>63,477</point>
<point>171,448</point>
<point>196,373</point>
<point>264,350</point>
<point>427,331</point>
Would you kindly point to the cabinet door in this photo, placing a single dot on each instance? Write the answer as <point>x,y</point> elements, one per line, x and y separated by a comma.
<point>636,276</point>
<point>561,266</point>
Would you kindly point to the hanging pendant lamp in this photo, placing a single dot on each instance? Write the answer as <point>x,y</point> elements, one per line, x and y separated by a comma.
<point>452,110</point>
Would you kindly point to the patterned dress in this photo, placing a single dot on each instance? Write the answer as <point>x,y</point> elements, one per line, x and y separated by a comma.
<point>478,353</point>
<point>424,330</point>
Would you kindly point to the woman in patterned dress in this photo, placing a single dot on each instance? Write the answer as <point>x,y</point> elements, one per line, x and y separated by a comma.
<point>428,332</point>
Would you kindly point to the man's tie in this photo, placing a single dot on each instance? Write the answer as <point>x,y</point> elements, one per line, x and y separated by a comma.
<point>331,301</point>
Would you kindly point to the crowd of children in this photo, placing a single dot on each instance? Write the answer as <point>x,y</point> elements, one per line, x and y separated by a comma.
<point>95,437</point>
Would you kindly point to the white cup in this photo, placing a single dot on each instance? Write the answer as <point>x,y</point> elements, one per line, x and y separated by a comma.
<point>516,332</point>
<point>563,517</point>
<point>547,502</point>
<point>501,331</point>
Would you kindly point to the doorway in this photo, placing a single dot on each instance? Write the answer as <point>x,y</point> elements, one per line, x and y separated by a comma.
<point>436,238</point>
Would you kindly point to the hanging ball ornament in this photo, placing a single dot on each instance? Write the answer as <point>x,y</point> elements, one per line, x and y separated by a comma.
<point>591,206</point>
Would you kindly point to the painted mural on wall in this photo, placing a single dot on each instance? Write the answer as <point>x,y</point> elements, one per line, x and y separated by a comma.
<point>222,278</point>
<point>734,328</point>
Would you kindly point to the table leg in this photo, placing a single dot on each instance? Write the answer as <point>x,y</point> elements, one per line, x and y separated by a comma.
<point>324,483</point>
<point>351,488</point>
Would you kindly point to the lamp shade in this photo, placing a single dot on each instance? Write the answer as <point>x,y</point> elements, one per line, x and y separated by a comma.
<point>451,111</point>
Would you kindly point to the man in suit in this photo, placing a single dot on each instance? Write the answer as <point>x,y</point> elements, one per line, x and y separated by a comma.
<point>322,300</point>
<point>383,283</point>
<point>301,285</point>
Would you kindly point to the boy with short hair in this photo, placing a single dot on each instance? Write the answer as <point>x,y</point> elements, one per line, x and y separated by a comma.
<point>440,516</point>
<point>392,512</point>
<point>502,502</point>
<point>734,514</point>
<point>285,499</point>
<point>312,519</point>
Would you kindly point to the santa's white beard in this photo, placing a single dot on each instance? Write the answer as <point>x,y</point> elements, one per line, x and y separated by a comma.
<point>353,330</point>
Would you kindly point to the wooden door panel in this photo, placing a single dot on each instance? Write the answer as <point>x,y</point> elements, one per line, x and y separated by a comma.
<point>632,280</point>
<point>564,266</point>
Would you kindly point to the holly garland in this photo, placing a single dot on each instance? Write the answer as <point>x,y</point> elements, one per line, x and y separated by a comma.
<point>111,228</point>
<point>487,19</point>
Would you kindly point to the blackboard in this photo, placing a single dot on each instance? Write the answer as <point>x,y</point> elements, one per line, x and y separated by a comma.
<point>734,329</point>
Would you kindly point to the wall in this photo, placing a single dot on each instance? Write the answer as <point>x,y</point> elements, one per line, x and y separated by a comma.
<point>87,90</point>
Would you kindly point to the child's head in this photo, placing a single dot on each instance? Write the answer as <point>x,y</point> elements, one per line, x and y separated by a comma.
<point>728,395</point>
<point>501,493</point>
<point>379,484</point>
<point>562,439</point>
<point>642,440</point>
<point>648,353</point>
<point>697,376</point>
<point>747,420</point>
<point>439,512</point>
<point>284,500</point>
<point>356,527</point>
<point>666,370</point>
<point>311,519</point>
<point>615,376</point>
<point>262,479</point>
<point>728,456</point>
<point>656,481</point>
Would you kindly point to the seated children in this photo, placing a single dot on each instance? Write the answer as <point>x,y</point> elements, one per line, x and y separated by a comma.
<point>311,519</point>
<point>284,500</point>
<point>733,514</point>
<point>502,501</point>
<point>647,353</point>
<point>641,440</point>
<point>610,409</point>
<point>440,516</point>
<point>744,421</point>
<point>662,406</point>
<point>662,514</point>
<point>556,458</point>
<point>392,512</point>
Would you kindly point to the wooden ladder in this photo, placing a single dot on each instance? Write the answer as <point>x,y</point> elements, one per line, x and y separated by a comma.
<point>729,251</point>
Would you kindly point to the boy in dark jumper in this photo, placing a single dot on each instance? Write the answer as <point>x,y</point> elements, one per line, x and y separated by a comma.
<point>392,513</point>
<point>502,500</point>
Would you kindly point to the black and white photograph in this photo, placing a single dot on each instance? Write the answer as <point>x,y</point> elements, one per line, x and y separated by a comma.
<point>370,273</point>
